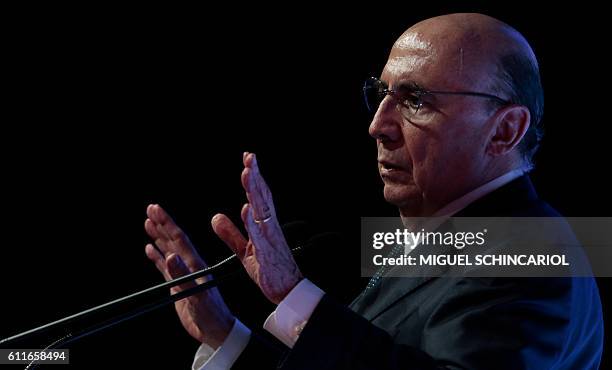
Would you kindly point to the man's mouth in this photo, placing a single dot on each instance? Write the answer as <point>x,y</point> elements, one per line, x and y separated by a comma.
<point>389,166</point>
<point>392,172</point>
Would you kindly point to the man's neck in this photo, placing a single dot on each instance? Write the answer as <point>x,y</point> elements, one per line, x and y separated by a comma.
<point>408,216</point>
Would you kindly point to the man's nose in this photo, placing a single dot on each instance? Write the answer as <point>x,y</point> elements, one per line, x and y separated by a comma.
<point>387,123</point>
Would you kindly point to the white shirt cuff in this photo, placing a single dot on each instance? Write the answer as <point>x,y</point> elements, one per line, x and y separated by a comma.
<point>223,358</point>
<point>292,314</point>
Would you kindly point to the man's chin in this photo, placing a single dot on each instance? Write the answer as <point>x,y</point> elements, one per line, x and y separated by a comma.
<point>401,195</point>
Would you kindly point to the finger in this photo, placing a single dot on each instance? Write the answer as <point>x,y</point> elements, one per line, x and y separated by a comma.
<point>151,224</point>
<point>261,189</point>
<point>158,215</point>
<point>258,192</point>
<point>149,207</point>
<point>174,238</point>
<point>168,228</point>
<point>244,180</point>
<point>150,211</point>
<point>160,240</point>
<point>178,268</point>
<point>154,255</point>
<point>170,238</point>
<point>244,212</point>
<point>248,219</point>
<point>151,229</point>
<point>229,233</point>
<point>249,223</point>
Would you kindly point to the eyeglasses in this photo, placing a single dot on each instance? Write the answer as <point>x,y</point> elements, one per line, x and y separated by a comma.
<point>411,98</point>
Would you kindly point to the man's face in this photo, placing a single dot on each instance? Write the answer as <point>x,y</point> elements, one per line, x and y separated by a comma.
<point>436,157</point>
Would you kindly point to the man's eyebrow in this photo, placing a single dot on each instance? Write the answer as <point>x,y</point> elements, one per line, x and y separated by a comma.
<point>410,85</point>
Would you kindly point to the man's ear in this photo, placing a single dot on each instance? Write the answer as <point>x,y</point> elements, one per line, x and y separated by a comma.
<point>510,125</point>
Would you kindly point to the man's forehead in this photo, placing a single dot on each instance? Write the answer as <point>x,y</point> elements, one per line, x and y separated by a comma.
<point>432,59</point>
<point>412,41</point>
<point>411,53</point>
<point>403,67</point>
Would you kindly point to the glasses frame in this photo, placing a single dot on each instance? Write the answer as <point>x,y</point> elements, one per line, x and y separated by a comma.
<point>419,93</point>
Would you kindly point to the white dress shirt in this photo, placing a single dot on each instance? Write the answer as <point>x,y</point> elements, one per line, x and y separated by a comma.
<point>292,313</point>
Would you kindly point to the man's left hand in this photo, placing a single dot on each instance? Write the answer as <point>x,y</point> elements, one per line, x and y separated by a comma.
<point>265,255</point>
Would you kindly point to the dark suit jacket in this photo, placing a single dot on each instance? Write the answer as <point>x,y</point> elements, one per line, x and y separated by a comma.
<point>455,323</point>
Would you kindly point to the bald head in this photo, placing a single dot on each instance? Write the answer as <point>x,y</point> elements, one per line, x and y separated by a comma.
<point>463,40</point>
<point>476,52</point>
<point>464,108</point>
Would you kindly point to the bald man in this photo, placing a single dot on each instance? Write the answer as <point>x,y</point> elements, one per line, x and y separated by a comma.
<point>457,120</point>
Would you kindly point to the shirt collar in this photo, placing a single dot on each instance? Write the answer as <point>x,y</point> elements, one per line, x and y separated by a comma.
<point>463,201</point>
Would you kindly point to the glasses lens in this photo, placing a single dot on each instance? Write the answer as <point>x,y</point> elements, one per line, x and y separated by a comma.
<point>374,92</point>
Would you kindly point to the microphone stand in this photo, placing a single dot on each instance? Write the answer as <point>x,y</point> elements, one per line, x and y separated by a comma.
<point>220,269</point>
<point>69,338</point>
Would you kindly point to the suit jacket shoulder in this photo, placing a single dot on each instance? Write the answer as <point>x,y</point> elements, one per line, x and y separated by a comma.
<point>457,323</point>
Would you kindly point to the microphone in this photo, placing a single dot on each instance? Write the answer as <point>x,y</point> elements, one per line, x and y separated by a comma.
<point>296,233</point>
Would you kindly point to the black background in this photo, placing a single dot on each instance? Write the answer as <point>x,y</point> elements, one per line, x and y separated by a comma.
<point>109,109</point>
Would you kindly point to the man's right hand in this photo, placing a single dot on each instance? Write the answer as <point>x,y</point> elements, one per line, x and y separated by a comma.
<point>205,315</point>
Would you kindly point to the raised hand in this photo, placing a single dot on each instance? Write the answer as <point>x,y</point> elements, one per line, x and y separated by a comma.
<point>265,254</point>
<point>205,315</point>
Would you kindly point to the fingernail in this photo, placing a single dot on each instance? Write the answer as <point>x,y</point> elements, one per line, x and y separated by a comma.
<point>215,218</point>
